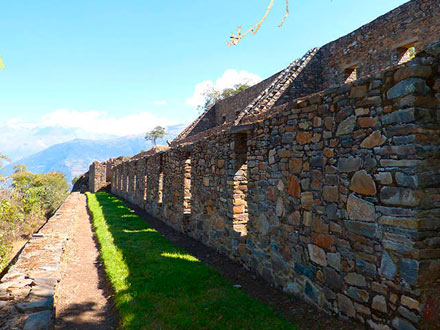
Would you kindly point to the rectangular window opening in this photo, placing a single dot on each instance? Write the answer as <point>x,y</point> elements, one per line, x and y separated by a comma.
<point>187,187</point>
<point>160,181</point>
<point>160,188</point>
<point>240,187</point>
<point>351,74</point>
<point>406,53</point>
<point>145,188</point>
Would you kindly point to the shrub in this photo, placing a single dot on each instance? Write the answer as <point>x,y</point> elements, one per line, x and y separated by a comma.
<point>26,203</point>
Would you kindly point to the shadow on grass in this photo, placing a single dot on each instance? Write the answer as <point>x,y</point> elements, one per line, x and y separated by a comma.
<point>159,286</point>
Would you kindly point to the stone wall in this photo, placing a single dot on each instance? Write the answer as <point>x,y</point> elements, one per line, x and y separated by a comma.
<point>334,197</point>
<point>371,48</point>
<point>97,176</point>
<point>383,43</point>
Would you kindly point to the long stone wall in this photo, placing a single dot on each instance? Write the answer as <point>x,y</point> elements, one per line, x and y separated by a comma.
<point>334,197</point>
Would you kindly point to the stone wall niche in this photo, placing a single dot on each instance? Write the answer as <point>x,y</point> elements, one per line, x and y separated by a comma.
<point>187,186</point>
<point>239,184</point>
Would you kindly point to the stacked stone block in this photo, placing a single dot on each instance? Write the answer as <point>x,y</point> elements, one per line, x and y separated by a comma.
<point>333,197</point>
<point>97,176</point>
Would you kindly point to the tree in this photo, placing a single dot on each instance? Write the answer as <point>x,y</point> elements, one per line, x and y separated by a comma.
<point>157,133</point>
<point>235,39</point>
<point>212,96</point>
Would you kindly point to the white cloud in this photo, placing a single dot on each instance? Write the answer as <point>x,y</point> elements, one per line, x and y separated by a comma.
<point>162,102</point>
<point>99,122</point>
<point>63,125</point>
<point>229,79</point>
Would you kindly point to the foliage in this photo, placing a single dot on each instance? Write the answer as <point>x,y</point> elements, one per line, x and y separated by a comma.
<point>159,286</point>
<point>212,96</point>
<point>3,157</point>
<point>157,133</point>
<point>235,39</point>
<point>74,180</point>
<point>26,203</point>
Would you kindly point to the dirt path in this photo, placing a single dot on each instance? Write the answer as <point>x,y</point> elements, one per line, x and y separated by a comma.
<point>81,296</point>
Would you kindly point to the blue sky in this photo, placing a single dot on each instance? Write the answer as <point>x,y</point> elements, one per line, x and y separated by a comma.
<point>98,69</point>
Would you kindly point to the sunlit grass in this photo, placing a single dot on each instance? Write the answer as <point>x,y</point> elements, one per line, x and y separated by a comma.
<point>159,286</point>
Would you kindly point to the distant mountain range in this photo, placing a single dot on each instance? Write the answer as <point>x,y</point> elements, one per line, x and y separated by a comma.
<point>74,157</point>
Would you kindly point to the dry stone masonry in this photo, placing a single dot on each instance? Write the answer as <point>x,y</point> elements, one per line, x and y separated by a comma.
<point>332,196</point>
<point>27,289</point>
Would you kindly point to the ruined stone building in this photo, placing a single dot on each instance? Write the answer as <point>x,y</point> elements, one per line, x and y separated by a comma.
<point>324,178</point>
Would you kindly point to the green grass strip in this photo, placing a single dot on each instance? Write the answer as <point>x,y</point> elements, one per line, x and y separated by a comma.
<point>159,286</point>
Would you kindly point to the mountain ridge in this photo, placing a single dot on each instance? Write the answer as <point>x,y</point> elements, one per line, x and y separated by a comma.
<point>73,158</point>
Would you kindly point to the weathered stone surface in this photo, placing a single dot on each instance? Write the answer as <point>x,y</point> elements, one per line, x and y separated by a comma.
<point>373,140</point>
<point>262,224</point>
<point>362,309</point>
<point>331,193</point>
<point>400,196</point>
<point>295,165</point>
<point>361,228</point>
<point>332,279</point>
<point>280,210</point>
<point>409,86</point>
<point>346,306</point>
<point>384,178</point>
<point>42,303</point>
<point>346,126</point>
<point>388,268</point>
<point>294,188</point>
<point>408,314</point>
<point>359,209</point>
<point>410,302</point>
<point>303,270</point>
<point>311,291</point>
<point>409,270</point>
<point>317,255</point>
<point>304,137</point>
<point>272,154</point>
<point>402,324</point>
<point>433,49</point>
<point>349,164</point>
<point>405,180</point>
<point>379,303</point>
<point>334,260</point>
<point>399,116</point>
<point>307,200</point>
<point>359,295</point>
<point>363,183</point>
<point>292,288</point>
<point>358,91</point>
<point>39,321</point>
<point>415,70</point>
<point>323,240</point>
<point>355,279</point>
<point>366,268</point>
<point>367,121</point>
